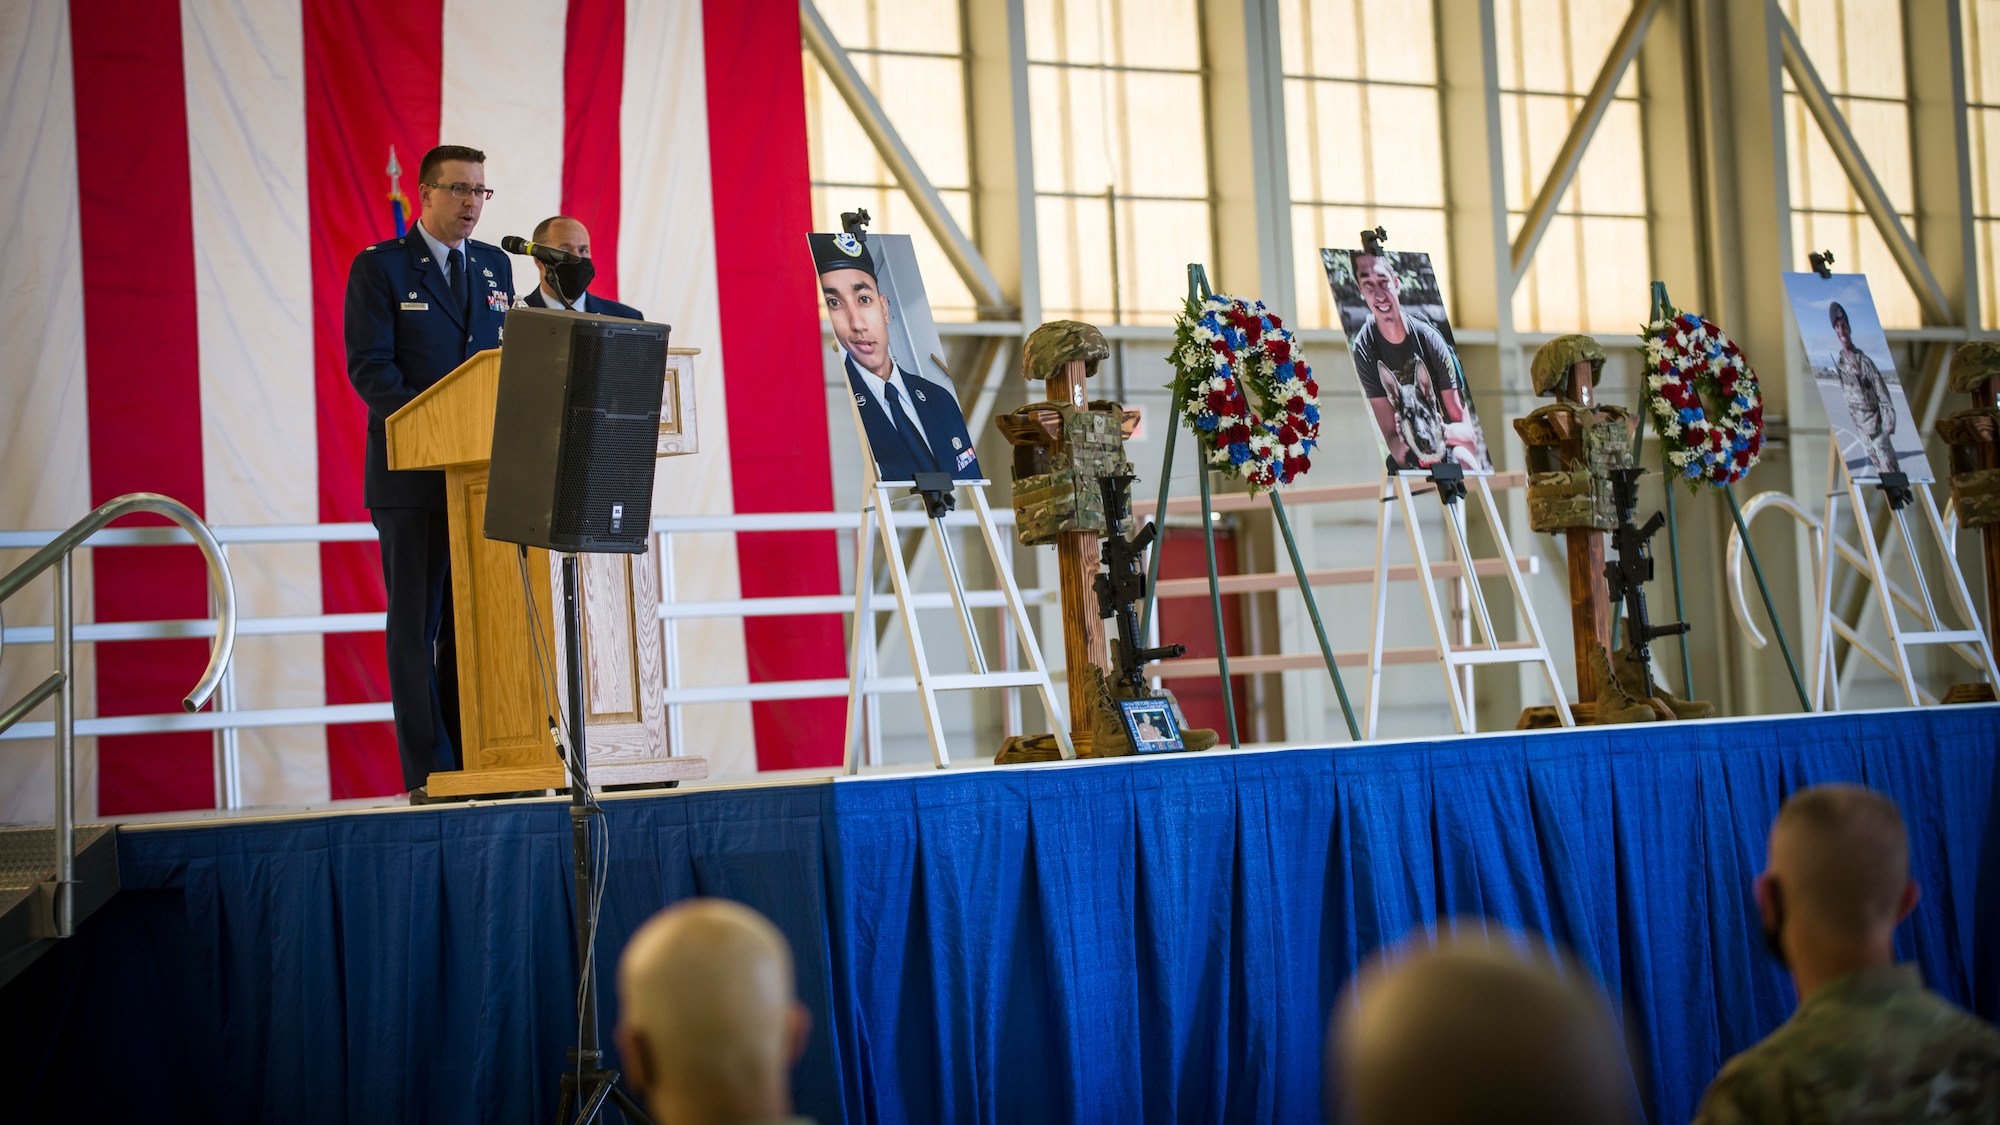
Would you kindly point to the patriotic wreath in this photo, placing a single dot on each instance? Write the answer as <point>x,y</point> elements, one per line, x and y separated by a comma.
<point>1231,358</point>
<point>1687,357</point>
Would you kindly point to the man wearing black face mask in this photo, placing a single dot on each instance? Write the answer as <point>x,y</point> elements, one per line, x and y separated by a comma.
<point>572,279</point>
<point>1868,1042</point>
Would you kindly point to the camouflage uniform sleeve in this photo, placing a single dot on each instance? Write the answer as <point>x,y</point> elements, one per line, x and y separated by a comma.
<point>1744,1094</point>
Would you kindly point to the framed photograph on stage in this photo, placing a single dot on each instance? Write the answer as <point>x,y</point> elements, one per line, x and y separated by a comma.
<point>1151,724</point>
<point>1399,337</point>
<point>1866,408</point>
<point>889,347</point>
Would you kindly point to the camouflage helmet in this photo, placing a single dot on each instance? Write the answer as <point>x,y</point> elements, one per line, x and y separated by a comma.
<point>1554,360</point>
<point>1973,364</point>
<point>1059,342</point>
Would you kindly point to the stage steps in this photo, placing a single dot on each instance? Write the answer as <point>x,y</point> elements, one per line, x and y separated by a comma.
<point>28,888</point>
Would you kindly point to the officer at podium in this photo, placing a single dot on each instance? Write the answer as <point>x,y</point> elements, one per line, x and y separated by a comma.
<point>914,425</point>
<point>572,279</point>
<point>417,307</point>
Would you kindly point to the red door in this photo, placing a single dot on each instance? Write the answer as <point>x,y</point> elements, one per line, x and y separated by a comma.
<point>1188,621</point>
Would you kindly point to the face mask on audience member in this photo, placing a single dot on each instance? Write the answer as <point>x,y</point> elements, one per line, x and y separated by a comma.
<point>1774,930</point>
<point>574,277</point>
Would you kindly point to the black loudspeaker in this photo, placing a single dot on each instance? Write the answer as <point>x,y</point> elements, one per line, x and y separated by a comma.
<point>575,431</point>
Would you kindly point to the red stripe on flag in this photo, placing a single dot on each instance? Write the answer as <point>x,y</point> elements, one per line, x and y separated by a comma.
<point>593,90</point>
<point>771,351</point>
<point>144,385</point>
<point>374,78</point>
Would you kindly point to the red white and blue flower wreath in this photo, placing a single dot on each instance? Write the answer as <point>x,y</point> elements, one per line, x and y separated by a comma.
<point>1687,357</point>
<point>1227,350</point>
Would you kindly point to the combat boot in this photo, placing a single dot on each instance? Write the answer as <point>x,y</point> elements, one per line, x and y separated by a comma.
<point>1632,674</point>
<point>1616,704</point>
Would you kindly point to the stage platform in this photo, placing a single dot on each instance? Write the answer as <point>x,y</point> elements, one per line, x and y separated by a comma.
<point>1155,939</point>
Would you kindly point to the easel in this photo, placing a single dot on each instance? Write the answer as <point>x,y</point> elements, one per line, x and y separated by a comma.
<point>938,492</point>
<point>1448,478</point>
<point>1199,291</point>
<point>1451,483</point>
<point>865,683</point>
<point>1899,491</point>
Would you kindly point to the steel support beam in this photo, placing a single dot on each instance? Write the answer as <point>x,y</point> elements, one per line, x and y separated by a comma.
<point>1623,50</point>
<point>1937,309</point>
<point>1248,175</point>
<point>964,256</point>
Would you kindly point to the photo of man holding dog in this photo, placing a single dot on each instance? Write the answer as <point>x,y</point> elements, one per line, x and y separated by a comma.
<point>1404,357</point>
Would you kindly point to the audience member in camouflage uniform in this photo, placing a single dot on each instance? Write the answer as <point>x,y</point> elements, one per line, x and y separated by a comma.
<point>1868,1043</point>
<point>1867,394</point>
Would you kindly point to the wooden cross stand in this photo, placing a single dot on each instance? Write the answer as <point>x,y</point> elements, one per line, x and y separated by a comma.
<point>1589,610</point>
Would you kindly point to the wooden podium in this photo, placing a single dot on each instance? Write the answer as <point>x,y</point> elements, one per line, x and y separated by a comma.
<point>503,719</point>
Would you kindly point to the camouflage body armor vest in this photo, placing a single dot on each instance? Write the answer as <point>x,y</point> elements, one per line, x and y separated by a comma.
<point>1056,488</point>
<point>1575,494</point>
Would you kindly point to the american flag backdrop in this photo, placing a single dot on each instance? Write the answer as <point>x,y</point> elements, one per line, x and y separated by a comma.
<point>184,183</point>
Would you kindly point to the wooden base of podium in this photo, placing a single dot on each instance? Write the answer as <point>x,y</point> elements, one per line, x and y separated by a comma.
<point>517,779</point>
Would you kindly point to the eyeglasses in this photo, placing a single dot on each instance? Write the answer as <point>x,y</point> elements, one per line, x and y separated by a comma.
<point>464,191</point>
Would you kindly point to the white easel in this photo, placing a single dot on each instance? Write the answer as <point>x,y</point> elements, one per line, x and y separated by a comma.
<point>865,683</point>
<point>1396,490</point>
<point>1970,643</point>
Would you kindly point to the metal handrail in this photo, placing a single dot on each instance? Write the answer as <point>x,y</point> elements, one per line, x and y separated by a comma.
<point>61,684</point>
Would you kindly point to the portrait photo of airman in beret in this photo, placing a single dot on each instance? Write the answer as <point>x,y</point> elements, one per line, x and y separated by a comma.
<point>890,350</point>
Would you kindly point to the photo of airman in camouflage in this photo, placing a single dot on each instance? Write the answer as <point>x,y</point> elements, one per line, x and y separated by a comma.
<point>1867,394</point>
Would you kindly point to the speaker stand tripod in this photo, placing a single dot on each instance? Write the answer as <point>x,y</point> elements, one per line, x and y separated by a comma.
<point>586,1083</point>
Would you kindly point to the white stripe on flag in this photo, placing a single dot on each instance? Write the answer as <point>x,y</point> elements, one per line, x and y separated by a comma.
<point>245,74</point>
<point>503,95</point>
<point>44,423</point>
<point>666,265</point>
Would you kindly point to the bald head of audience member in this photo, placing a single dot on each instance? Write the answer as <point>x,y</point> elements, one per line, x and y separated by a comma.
<point>1471,1031</point>
<point>1836,884</point>
<point>709,1024</point>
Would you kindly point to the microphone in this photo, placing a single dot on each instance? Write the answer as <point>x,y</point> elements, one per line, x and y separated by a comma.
<point>553,255</point>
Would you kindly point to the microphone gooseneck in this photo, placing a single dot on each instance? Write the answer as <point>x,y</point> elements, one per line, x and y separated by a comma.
<point>553,255</point>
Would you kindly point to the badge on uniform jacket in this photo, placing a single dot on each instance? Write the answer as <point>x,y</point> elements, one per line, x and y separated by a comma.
<point>496,300</point>
<point>965,458</point>
<point>416,306</point>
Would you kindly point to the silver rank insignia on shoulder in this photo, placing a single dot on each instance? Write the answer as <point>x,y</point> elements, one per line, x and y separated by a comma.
<point>957,444</point>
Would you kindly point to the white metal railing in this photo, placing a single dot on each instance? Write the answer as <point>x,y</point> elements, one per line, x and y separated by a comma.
<point>673,611</point>
<point>60,685</point>
<point>228,718</point>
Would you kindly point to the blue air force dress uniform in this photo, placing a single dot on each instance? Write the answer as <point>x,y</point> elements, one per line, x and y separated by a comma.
<point>416,309</point>
<point>589,303</point>
<point>913,424</point>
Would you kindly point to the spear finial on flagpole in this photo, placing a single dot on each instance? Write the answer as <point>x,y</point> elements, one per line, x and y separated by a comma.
<point>398,205</point>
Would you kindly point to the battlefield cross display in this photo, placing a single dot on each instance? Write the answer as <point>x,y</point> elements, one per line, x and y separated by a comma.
<point>1072,487</point>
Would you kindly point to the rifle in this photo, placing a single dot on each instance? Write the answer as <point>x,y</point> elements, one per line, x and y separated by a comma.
<point>1123,582</point>
<point>1625,577</point>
